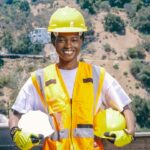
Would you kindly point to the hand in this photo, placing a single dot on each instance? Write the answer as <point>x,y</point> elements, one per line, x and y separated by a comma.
<point>23,140</point>
<point>118,138</point>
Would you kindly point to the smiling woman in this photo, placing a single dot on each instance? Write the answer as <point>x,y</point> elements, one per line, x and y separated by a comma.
<point>68,47</point>
<point>72,93</point>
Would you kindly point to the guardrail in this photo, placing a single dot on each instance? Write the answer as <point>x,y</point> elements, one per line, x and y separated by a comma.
<point>14,56</point>
<point>141,142</point>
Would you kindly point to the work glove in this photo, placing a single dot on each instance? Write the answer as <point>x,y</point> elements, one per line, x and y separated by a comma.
<point>24,141</point>
<point>118,138</point>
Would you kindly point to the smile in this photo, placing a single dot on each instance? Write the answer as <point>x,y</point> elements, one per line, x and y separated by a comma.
<point>68,52</point>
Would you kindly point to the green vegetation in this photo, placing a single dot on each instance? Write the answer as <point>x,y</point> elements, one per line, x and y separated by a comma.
<point>113,23</point>
<point>91,5</point>
<point>7,41</point>
<point>25,46</point>
<point>141,108</point>
<point>136,52</point>
<point>3,108</point>
<point>141,71</point>
<point>107,47</point>
<point>116,66</point>
<point>141,21</point>
<point>24,6</point>
<point>8,1</point>
<point>146,45</point>
<point>1,62</point>
<point>118,3</point>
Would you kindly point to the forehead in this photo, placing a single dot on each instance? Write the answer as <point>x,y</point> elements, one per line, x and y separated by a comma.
<point>68,34</point>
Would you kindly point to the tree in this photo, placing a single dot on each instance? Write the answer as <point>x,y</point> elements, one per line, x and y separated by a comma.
<point>118,3</point>
<point>25,46</point>
<point>7,41</point>
<point>141,108</point>
<point>136,52</point>
<point>24,6</point>
<point>91,5</point>
<point>146,45</point>
<point>113,23</point>
<point>142,20</point>
<point>1,62</point>
<point>141,71</point>
<point>8,1</point>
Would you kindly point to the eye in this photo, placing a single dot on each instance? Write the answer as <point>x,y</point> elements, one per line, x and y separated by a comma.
<point>75,39</point>
<point>61,40</point>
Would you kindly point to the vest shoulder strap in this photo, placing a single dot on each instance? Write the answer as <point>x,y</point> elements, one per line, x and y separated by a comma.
<point>98,80</point>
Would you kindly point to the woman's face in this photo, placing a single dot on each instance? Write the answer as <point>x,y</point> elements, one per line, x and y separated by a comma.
<point>68,47</point>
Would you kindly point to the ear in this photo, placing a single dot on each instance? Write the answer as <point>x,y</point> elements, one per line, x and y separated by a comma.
<point>53,42</point>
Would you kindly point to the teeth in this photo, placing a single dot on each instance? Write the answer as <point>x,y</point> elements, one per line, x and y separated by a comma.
<point>68,52</point>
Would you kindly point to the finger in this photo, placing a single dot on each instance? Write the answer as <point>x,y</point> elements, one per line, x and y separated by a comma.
<point>34,139</point>
<point>108,134</point>
<point>41,136</point>
<point>111,140</point>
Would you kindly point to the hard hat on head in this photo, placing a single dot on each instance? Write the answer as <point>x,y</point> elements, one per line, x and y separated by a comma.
<point>108,120</point>
<point>67,19</point>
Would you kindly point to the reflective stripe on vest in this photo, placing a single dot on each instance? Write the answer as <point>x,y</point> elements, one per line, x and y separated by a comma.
<point>78,132</point>
<point>38,81</point>
<point>58,135</point>
<point>83,132</point>
<point>98,80</point>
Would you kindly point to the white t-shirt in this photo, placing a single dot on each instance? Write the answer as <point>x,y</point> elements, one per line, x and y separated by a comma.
<point>112,94</point>
<point>69,79</point>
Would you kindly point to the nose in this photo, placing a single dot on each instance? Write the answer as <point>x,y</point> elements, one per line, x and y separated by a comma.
<point>68,44</point>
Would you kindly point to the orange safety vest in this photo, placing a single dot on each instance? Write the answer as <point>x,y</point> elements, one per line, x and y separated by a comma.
<point>72,119</point>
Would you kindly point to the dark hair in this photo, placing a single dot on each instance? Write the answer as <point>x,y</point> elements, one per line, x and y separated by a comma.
<point>53,37</point>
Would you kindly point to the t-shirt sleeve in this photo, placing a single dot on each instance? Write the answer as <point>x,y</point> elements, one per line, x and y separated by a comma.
<point>113,95</point>
<point>27,99</point>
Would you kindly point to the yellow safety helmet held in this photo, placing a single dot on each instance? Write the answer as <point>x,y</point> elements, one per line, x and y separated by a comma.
<point>108,120</point>
<point>67,19</point>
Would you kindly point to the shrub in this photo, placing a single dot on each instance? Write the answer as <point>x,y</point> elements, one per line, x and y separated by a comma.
<point>1,62</point>
<point>141,71</point>
<point>142,20</point>
<point>3,108</point>
<point>4,80</point>
<point>141,108</point>
<point>24,6</point>
<point>93,6</point>
<point>7,41</point>
<point>25,46</point>
<point>105,6</point>
<point>136,67</point>
<point>118,3</point>
<point>8,1</point>
<point>113,23</point>
<point>130,10</point>
<point>144,76</point>
<point>107,47</point>
<point>136,52</point>
<point>146,45</point>
<point>116,66</point>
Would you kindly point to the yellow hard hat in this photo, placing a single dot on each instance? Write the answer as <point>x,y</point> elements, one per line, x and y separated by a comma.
<point>108,120</point>
<point>67,20</point>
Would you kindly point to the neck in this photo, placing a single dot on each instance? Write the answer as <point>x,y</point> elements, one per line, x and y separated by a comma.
<point>67,65</point>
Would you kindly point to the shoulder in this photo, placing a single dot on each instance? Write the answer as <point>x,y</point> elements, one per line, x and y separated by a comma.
<point>27,86</point>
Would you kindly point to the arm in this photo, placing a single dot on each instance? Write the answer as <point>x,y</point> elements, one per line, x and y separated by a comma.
<point>20,138</point>
<point>130,119</point>
<point>14,118</point>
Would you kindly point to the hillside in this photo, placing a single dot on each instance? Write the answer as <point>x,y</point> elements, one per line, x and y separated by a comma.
<point>116,60</point>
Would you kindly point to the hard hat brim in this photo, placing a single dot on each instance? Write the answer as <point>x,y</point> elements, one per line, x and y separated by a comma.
<point>67,29</point>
